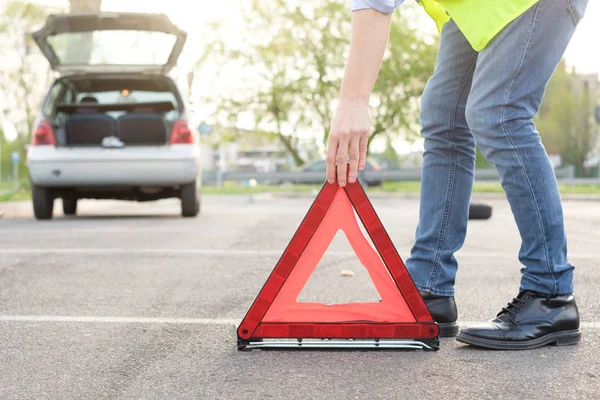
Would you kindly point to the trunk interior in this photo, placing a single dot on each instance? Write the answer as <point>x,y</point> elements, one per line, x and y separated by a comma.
<point>113,110</point>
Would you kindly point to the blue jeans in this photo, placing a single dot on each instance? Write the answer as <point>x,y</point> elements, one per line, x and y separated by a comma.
<point>490,98</point>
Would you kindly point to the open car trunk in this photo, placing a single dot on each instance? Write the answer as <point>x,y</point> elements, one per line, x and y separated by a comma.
<point>114,110</point>
<point>110,42</point>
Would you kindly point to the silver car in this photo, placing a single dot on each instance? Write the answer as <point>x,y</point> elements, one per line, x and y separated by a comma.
<point>113,124</point>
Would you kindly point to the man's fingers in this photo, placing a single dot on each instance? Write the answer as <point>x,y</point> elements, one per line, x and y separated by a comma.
<point>332,146</point>
<point>342,157</point>
<point>354,157</point>
<point>362,150</point>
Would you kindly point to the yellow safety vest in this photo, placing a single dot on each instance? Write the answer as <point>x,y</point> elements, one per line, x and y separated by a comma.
<point>479,20</point>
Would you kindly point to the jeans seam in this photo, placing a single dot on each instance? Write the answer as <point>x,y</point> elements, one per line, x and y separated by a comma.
<point>451,128</point>
<point>573,12</point>
<point>535,200</point>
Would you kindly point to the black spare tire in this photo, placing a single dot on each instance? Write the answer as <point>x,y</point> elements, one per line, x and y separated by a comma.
<point>480,211</point>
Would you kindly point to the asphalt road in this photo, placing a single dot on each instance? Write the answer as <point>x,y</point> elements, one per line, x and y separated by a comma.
<point>130,301</point>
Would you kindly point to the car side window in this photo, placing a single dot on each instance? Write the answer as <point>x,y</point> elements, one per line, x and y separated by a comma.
<point>318,166</point>
<point>60,119</point>
<point>51,99</point>
<point>69,97</point>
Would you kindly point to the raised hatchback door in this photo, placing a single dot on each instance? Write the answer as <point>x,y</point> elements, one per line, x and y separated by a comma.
<point>110,42</point>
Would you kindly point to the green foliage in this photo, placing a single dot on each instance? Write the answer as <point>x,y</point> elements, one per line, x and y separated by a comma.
<point>24,75</point>
<point>19,15</point>
<point>84,5</point>
<point>407,65</point>
<point>7,148</point>
<point>294,57</point>
<point>566,119</point>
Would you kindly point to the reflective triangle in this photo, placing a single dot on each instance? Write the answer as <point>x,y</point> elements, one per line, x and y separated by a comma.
<point>276,313</point>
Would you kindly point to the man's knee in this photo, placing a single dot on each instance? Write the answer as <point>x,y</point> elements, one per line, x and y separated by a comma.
<point>485,123</point>
<point>499,131</point>
<point>483,119</point>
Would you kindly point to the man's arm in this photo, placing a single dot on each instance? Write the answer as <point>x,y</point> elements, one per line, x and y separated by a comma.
<point>351,125</point>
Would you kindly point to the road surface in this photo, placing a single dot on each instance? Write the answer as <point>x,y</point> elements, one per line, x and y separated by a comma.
<point>130,301</point>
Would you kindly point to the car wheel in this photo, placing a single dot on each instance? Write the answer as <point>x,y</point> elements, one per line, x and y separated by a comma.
<point>190,201</point>
<point>43,202</point>
<point>480,211</point>
<point>69,205</point>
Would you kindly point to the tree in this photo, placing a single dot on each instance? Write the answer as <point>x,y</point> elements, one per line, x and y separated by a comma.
<point>566,119</point>
<point>24,76</point>
<point>84,5</point>
<point>407,65</point>
<point>293,56</point>
<point>80,49</point>
<point>25,73</point>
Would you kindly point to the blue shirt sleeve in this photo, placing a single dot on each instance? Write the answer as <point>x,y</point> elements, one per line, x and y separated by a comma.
<point>384,6</point>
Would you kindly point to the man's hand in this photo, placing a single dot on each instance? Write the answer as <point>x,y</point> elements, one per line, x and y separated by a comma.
<point>350,128</point>
<point>347,141</point>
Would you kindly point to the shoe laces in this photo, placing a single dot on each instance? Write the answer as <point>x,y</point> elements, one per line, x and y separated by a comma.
<point>517,304</point>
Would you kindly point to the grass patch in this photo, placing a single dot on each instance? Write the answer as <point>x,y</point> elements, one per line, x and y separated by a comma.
<point>398,187</point>
<point>579,189</point>
<point>15,196</point>
<point>487,188</point>
<point>232,188</point>
<point>4,186</point>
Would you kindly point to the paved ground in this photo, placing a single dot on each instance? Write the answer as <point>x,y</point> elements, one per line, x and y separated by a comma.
<point>131,301</point>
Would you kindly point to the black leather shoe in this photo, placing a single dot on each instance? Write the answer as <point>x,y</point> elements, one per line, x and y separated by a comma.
<point>531,320</point>
<point>443,311</point>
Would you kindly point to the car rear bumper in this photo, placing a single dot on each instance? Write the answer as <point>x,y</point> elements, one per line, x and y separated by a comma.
<point>131,166</point>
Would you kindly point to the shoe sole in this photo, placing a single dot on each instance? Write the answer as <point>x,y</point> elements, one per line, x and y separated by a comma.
<point>566,338</point>
<point>449,329</point>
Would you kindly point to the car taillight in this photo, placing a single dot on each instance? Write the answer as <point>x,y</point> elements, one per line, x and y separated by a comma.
<point>44,134</point>
<point>181,133</point>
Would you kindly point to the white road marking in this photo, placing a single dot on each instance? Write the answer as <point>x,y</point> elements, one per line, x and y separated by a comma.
<point>233,252</point>
<point>136,251</point>
<point>175,321</point>
<point>122,320</point>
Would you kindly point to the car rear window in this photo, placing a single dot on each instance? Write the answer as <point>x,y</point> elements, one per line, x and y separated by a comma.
<point>134,47</point>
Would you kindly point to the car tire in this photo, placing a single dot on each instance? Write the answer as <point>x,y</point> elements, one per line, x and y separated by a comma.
<point>69,205</point>
<point>43,202</point>
<point>190,200</point>
<point>480,211</point>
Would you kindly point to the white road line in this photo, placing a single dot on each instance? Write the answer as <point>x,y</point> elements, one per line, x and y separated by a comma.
<point>122,320</point>
<point>234,253</point>
<point>175,321</point>
<point>100,251</point>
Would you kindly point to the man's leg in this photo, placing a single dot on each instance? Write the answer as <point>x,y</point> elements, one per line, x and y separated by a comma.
<point>448,164</point>
<point>508,86</point>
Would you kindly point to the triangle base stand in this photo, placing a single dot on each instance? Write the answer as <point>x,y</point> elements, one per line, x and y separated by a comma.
<point>340,344</point>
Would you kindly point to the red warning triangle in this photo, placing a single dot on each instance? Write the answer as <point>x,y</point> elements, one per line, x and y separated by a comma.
<point>276,313</point>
